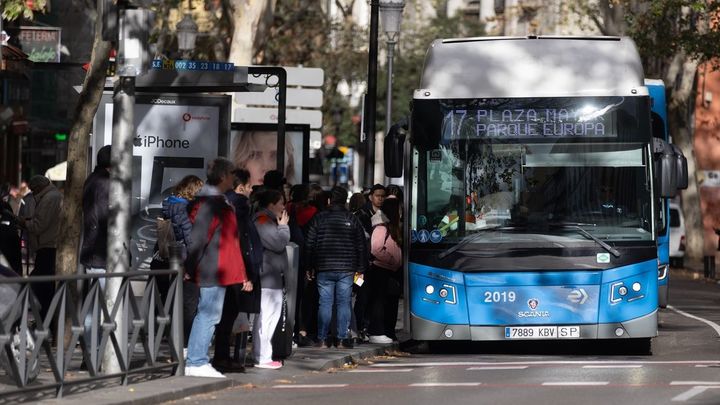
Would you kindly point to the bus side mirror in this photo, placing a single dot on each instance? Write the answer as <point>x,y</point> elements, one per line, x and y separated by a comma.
<point>682,168</point>
<point>394,148</point>
<point>665,167</point>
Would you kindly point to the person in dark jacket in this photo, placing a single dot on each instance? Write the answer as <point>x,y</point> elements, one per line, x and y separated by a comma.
<point>371,206</point>
<point>375,200</point>
<point>96,210</point>
<point>9,232</point>
<point>301,212</point>
<point>240,304</point>
<point>337,250</point>
<point>43,228</point>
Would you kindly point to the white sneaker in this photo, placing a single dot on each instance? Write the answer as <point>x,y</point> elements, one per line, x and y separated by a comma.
<point>206,370</point>
<point>381,339</point>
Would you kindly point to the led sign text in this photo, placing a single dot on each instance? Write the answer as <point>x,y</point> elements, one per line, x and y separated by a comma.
<point>531,123</point>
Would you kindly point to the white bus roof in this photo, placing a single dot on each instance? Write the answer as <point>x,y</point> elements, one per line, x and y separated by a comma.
<point>543,66</point>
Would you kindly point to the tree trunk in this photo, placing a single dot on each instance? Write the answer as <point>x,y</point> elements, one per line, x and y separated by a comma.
<point>250,18</point>
<point>681,78</point>
<point>71,215</point>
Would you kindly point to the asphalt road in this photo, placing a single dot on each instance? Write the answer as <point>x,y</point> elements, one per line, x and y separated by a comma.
<point>684,368</point>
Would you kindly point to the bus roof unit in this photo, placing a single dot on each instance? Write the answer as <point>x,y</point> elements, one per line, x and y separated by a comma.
<point>531,67</point>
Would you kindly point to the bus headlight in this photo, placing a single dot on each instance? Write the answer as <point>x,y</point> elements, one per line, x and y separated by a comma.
<point>663,272</point>
<point>636,286</point>
<point>429,289</point>
<point>443,293</point>
<point>623,291</point>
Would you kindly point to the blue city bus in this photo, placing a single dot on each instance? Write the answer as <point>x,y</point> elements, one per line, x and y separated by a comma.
<point>656,88</point>
<point>531,179</point>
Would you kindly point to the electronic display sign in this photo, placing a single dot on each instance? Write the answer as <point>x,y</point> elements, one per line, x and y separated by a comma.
<point>528,119</point>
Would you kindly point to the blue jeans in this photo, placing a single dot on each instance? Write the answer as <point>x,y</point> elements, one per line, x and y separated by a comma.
<point>337,285</point>
<point>208,315</point>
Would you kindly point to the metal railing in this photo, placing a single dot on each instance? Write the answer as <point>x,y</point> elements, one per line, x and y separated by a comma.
<point>132,320</point>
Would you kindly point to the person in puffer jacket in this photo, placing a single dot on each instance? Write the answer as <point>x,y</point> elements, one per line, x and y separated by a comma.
<point>336,249</point>
<point>271,222</point>
<point>175,208</point>
<point>214,262</point>
<point>386,257</point>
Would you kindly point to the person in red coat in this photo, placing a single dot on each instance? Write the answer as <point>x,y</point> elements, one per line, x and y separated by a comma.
<point>214,262</point>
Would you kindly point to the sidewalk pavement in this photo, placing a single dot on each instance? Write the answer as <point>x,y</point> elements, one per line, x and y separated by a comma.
<point>303,360</point>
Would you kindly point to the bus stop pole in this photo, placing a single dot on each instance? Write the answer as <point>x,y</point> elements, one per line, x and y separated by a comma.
<point>118,255</point>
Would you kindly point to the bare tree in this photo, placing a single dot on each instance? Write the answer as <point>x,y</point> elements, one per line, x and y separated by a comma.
<point>251,21</point>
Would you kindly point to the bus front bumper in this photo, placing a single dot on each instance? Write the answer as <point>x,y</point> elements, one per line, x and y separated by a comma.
<point>422,329</point>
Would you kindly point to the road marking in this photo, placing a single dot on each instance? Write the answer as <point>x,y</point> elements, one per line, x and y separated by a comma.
<point>614,366</point>
<point>470,384</point>
<point>311,386</point>
<point>497,368</point>
<point>712,324</point>
<point>576,383</point>
<point>545,363</point>
<point>692,392</point>
<point>695,383</point>
<point>396,370</point>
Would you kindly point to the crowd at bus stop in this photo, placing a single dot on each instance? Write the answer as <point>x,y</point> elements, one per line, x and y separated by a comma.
<point>232,234</point>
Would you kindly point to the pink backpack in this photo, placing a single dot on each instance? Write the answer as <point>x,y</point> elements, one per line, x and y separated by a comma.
<point>384,251</point>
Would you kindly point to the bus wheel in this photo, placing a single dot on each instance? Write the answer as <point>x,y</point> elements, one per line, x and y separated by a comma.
<point>639,346</point>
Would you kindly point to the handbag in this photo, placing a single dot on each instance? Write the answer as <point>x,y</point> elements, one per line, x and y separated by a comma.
<point>165,237</point>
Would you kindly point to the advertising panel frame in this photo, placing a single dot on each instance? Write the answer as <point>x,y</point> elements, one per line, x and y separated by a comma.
<point>152,181</point>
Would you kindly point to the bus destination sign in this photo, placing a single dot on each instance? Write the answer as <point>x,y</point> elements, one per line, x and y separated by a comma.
<point>194,65</point>
<point>531,123</point>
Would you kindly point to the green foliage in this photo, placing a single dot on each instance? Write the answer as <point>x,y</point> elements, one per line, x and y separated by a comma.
<point>409,60</point>
<point>302,34</point>
<point>661,28</point>
<point>14,9</point>
<point>672,26</point>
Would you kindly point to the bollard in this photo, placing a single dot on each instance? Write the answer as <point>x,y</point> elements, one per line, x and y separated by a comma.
<point>175,259</point>
<point>709,266</point>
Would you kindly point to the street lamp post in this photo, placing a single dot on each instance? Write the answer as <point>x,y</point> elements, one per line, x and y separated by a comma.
<point>391,16</point>
<point>187,31</point>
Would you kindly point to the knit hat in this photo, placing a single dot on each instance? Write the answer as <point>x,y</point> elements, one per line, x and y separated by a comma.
<point>103,157</point>
<point>38,182</point>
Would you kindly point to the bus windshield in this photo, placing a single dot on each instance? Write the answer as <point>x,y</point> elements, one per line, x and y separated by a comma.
<point>537,181</point>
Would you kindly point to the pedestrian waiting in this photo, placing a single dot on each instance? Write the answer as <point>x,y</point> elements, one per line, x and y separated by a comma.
<point>337,250</point>
<point>214,262</point>
<point>272,225</point>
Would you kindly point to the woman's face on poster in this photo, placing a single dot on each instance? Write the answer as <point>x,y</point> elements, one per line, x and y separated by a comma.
<point>261,156</point>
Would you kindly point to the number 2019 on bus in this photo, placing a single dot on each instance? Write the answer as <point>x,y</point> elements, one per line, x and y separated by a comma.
<point>500,296</point>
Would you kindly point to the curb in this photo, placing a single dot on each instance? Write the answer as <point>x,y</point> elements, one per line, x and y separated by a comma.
<point>356,357</point>
<point>690,274</point>
<point>177,388</point>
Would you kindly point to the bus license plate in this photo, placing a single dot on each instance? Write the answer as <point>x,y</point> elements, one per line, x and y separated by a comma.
<point>542,332</point>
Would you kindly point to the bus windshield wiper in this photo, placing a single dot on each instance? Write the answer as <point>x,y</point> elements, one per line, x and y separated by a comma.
<point>472,238</point>
<point>579,227</point>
